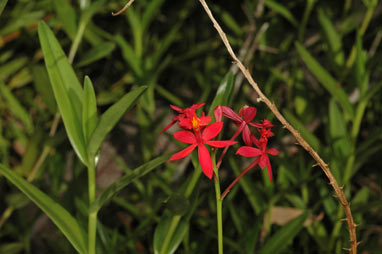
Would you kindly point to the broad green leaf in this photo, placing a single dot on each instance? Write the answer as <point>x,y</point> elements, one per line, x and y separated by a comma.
<point>129,55</point>
<point>100,51</point>
<point>16,108</point>
<point>89,110</point>
<point>67,15</point>
<point>3,3</point>
<point>224,93</point>
<point>108,193</point>
<point>326,80</point>
<point>110,118</point>
<point>161,232</point>
<point>59,215</point>
<point>283,237</point>
<point>338,132</point>
<point>282,10</point>
<point>43,87</point>
<point>66,87</point>
<point>333,38</point>
<point>152,8</point>
<point>305,133</point>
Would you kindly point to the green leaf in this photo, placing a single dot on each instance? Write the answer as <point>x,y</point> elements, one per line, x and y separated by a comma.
<point>12,248</point>
<point>59,215</point>
<point>43,87</point>
<point>98,52</point>
<point>333,38</point>
<point>280,240</point>
<point>161,232</point>
<point>224,93</point>
<point>338,132</point>
<point>283,11</point>
<point>326,80</point>
<point>110,118</point>
<point>108,193</point>
<point>3,3</point>
<point>66,87</point>
<point>12,67</point>
<point>152,8</point>
<point>89,110</point>
<point>136,27</point>
<point>360,68</point>
<point>16,108</point>
<point>67,15</point>
<point>305,133</point>
<point>129,55</point>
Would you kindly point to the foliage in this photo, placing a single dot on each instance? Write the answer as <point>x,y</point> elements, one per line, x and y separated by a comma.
<point>79,87</point>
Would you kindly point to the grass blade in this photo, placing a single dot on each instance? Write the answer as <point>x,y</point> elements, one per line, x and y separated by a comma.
<point>283,11</point>
<point>110,118</point>
<point>224,93</point>
<point>98,52</point>
<point>3,3</point>
<point>284,236</point>
<point>59,215</point>
<point>66,87</point>
<point>326,80</point>
<point>121,183</point>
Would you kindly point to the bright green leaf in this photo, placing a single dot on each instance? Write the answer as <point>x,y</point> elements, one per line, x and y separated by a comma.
<point>89,110</point>
<point>66,87</point>
<point>224,93</point>
<point>59,215</point>
<point>108,193</point>
<point>110,118</point>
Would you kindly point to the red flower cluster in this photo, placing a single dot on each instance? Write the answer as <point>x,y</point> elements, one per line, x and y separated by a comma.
<point>199,132</point>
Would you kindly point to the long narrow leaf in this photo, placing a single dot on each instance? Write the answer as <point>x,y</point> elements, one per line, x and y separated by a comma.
<point>66,87</point>
<point>89,110</point>
<point>326,79</point>
<point>110,118</point>
<point>224,93</point>
<point>16,108</point>
<point>121,183</point>
<point>280,240</point>
<point>59,215</point>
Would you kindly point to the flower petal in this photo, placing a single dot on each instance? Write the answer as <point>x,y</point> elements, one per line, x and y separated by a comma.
<point>197,105</point>
<point>228,112</point>
<point>205,161</point>
<point>218,113</point>
<point>183,153</point>
<point>204,120</point>
<point>273,151</point>
<point>248,151</point>
<point>169,125</point>
<point>212,131</point>
<point>185,136</point>
<point>248,113</point>
<point>269,168</point>
<point>263,161</point>
<point>221,143</point>
<point>185,123</point>
<point>247,135</point>
<point>180,110</point>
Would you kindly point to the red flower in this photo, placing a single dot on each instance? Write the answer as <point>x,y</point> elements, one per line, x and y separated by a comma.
<point>186,113</point>
<point>246,116</point>
<point>200,139</point>
<point>263,160</point>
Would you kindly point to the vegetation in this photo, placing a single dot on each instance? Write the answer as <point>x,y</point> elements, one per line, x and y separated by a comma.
<point>84,96</point>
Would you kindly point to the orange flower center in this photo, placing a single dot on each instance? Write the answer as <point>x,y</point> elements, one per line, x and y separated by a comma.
<point>195,123</point>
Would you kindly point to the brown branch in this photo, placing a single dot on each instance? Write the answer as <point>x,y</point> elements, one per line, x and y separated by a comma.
<point>295,133</point>
<point>123,9</point>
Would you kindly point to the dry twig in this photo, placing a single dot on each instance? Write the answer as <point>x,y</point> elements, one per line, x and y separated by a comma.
<point>295,133</point>
<point>123,9</point>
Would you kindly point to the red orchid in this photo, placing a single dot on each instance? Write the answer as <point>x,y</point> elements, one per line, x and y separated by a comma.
<point>263,160</point>
<point>186,113</point>
<point>200,139</point>
<point>246,116</point>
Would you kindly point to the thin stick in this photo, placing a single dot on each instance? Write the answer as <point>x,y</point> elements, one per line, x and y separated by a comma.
<point>123,9</point>
<point>295,133</point>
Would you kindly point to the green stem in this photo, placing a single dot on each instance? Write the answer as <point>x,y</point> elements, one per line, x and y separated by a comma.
<point>219,205</point>
<point>92,220</point>
<point>77,41</point>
